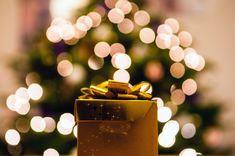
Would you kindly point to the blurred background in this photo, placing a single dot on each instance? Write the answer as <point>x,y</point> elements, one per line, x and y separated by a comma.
<point>52,48</point>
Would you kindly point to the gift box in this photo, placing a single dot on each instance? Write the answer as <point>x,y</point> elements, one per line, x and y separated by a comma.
<point>109,127</point>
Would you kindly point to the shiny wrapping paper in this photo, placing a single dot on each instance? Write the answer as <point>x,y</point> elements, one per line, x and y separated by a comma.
<point>116,127</point>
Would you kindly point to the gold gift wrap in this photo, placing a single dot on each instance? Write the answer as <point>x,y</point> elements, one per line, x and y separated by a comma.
<point>115,127</point>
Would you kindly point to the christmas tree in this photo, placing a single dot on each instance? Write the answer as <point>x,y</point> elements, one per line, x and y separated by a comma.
<point>118,40</point>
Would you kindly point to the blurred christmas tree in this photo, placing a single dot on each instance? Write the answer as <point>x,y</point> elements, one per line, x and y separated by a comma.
<point>105,40</point>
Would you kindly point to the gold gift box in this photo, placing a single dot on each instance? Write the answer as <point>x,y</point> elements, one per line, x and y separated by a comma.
<point>116,127</point>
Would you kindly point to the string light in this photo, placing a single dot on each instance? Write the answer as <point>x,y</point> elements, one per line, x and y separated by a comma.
<point>188,152</point>
<point>141,18</point>
<point>126,26</point>
<point>116,15</point>
<point>117,48</point>
<point>12,137</point>
<point>50,124</point>
<point>188,130</point>
<point>50,152</point>
<point>38,124</point>
<point>65,68</point>
<point>166,140</point>
<point>164,29</point>
<point>96,18</point>
<point>173,23</point>
<point>124,5</point>
<point>84,23</point>
<point>177,70</point>
<point>121,61</point>
<point>35,91</point>
<point>176,53</point>
<point>185,38</point>
<point>121,75</point>
<point>189,87</point>
<point>177,96</point>
<point>102,49</point>
<point>163,41</point>
<point>95,63</point>
<point>171,127</point>
<point>164,114</point>
<point>147,35</point>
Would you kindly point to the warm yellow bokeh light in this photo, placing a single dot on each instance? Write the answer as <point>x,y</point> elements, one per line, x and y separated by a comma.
<point>171,127</point>
<point>22,93</point>
<point>116,15</point>
<point>126,26</point>
<point>121,75</point>
<point>141,18</point>
<point>177,70</point>
<point>37,124</point>
<point>35,91</point>
<point>176,53</point>
<point>166,140</point>
<point>177,97</point>
<point>11,101</point>
<point>173,23</point>
<point>50,124</point>
<point>50,152</point>
<point>163,41</point>
<point>117,48</point>
<point>147,35</point>
<point>188,152</point>
<point>12,137</point>
<point>95,63</point>
<point>96,18</point>
<point>164,114</point>
<point>121,61</point>
<point>65,68</point>
<point>24,108</point>
<point>62,129</point>
<point>185,38</point>
<point>189,86</point>
<point>78,75</point>
<point>102,49</point>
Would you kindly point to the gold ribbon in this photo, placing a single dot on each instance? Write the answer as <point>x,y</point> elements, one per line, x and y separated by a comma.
<point>112,89</point>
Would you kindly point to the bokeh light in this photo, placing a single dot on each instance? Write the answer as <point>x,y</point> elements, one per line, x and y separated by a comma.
<point>176,53</point>
<point>163,41</point>
<point>117,48</point>
<point>147,35</point>
<point>185,38</point>
<point>50,124</point>
<point>78,75</point>
<point>102,49</point>
<point>201,64</point>
<point>32,77</point>
<point>22,93</point>
<point>124,5</point>
<point>213,137</point>
<point>12,137</point>
<point>174,41</point>
<point>65,124</point>
<point>35,91</point>
<point>65,68</point>
<point>166,140</point>
<point>50,152</point>
<point>84,23</point>
<point>96,18</point>
<point>38,124</point>
<point>53,34</point>
<point>188,130</point>
<point>177,70</point>
<point>24,108</point>
<point>121,61</point>
<point>159,101</point>
<point>22,124</point>
<point>191,58</point>
<point>95,63</point>
<point>189,86</point>
<point>110,3</point>
<point>177,96</point>
<point>121,75</point>
<point>11,101</point>
<point>141,18</point>
<point>126,26</point>
<point>171,127</point>
<point>68,32</point>
<point>164,114</point>
<point>188,152</point>
<point>116,15</point>
<point>164,29</point>
<point>154,71</point>
<point>173,23</point>
<point>75,131</point>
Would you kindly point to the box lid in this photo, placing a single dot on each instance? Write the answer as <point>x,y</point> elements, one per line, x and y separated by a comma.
<point>106,109</point>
